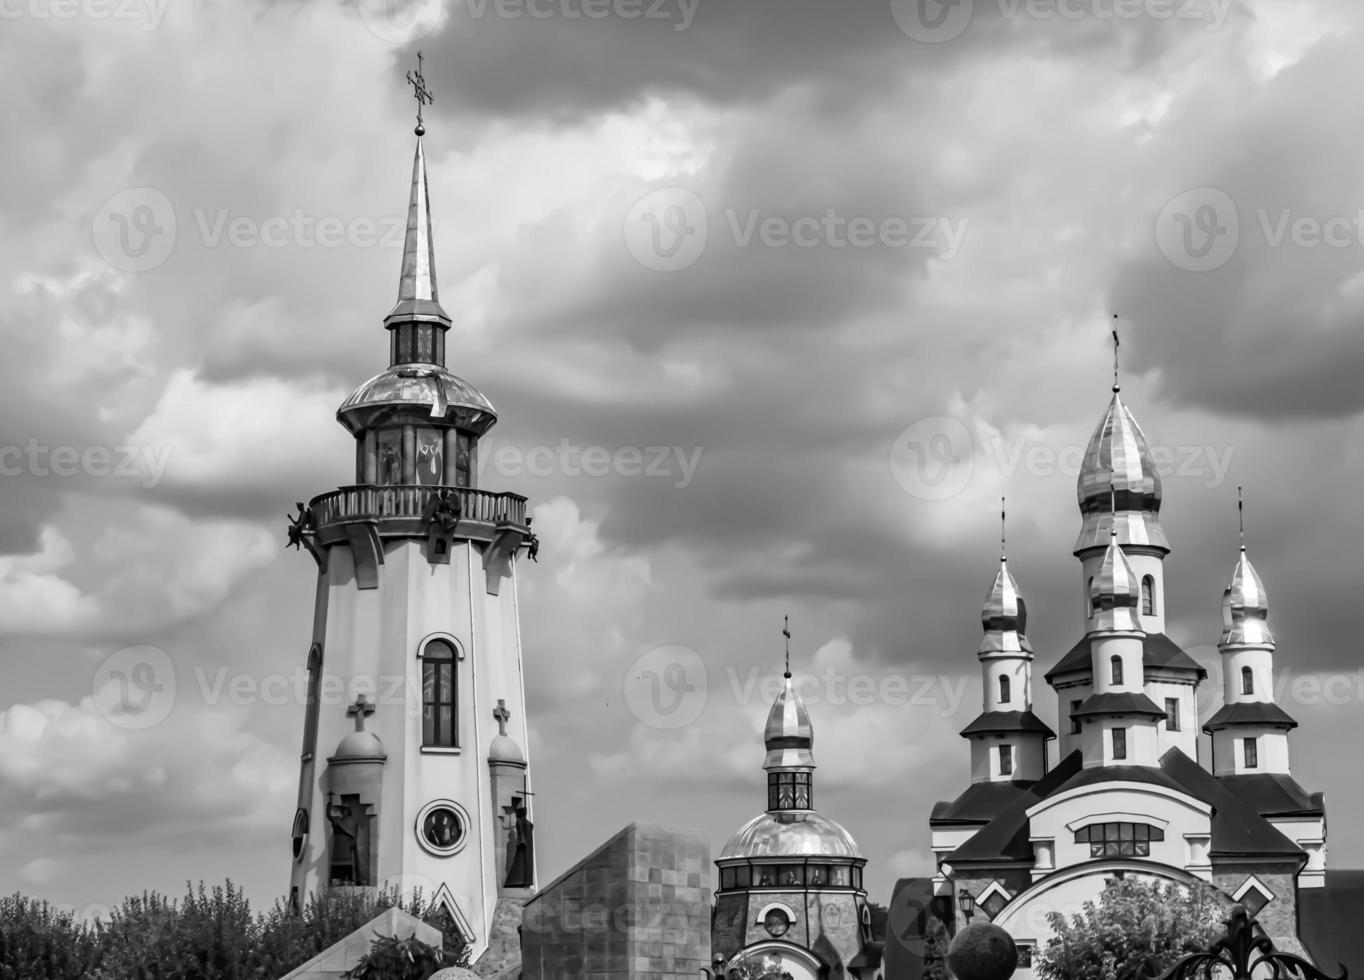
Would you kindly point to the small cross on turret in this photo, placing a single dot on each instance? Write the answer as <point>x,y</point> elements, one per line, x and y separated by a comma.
<point>502,715</point>
<point>360,710</point>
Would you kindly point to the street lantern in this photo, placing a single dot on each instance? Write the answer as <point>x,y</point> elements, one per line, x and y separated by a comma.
<point>967,902</point>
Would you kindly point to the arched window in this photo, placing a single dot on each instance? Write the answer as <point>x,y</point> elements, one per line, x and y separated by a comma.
<point>440,716</point>
<point>1115,669</point>
<point>1003,689</point>
<point>1247,681</point>
<point>1148,596</point>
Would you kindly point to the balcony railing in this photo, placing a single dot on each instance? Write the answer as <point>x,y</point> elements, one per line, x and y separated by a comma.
<point>363,503</point>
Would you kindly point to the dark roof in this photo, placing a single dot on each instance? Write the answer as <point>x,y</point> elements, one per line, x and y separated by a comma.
<point>1005,838</point>
<point>1118,703</point>
<point>1250,713</point>
<point>1275,794</point>
<point>1158,650</point>
<point>1237,830</point>
<point>979,804</point>
<point>1007,721</point>
<point>1328,922</point>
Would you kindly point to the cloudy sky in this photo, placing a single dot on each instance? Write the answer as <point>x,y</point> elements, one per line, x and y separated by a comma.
<point>775,298</point>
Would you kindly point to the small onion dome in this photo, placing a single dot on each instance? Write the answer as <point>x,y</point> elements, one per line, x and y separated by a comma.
<point>1115,591</point>
<point>426,386</point>
<point>1118,473</point>
<point>789,736</point>
<point>791,834</point>
<point>360,746</point>
<point>1245,608</point>
<point>1004,616</point>
<point>505,749</point>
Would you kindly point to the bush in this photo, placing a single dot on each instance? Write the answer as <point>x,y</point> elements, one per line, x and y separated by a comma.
<point>391,958</point>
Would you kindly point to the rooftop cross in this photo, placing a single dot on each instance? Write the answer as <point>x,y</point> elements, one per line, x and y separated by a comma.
<point>360,710</point>
<point>1003,528</point>
<point>1241,517</point>
<point>420,92</point>
<point>502,715</point>
<point>786,632</point>
<point>1115,353</point>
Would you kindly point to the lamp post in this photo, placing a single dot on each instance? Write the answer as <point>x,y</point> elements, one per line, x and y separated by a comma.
<point>967,901</point>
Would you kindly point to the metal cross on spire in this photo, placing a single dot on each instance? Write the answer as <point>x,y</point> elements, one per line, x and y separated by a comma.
<point>1241,517</point>
<point>1003,529</point>
<point>786,632</point>
<point>1115,352</point>
<point>420,92</point>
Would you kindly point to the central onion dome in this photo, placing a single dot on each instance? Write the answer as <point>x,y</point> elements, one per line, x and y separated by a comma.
<point>1119,475</point>
<point>788,736</point>
<point>1004,615</point>
<point>420,386</point>
<point>1115,591</point>
<point>1245,608</point>
<point>791,835</point>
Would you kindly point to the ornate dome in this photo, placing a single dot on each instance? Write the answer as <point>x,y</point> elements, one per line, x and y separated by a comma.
<point>503,749</point>
<point>791,834</point>
<point>361,745</point>
<point>422,386</point>
<point>1245,608</point>
<point>1117,472</point>
<point>1004,616</point>
<point>789,737</point>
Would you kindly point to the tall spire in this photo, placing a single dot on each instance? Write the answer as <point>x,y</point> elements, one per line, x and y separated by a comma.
<point>418,297</point>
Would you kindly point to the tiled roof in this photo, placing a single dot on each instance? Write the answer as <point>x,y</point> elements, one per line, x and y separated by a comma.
<point>1250,713</point>
<point>1007,721</point>
<point>1158,650</point>
<point>1274,795</point>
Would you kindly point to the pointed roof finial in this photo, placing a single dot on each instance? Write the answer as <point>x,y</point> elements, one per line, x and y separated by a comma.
<point>1003,529</point>
<point>786,632</point>
<point>1116,386</point>
<point>419,92</point>
<point>1241,517</point>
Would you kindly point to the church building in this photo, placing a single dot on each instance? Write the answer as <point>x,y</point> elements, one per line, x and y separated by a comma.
<point>1048,817</point>
<point>419,777</point>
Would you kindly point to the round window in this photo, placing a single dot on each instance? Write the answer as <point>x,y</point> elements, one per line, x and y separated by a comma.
<point>442,827</point>
<point>776,922</point>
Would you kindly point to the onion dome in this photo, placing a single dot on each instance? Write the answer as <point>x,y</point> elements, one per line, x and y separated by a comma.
<point>1245,608</point>
<point>425,386</point>
<point>360,746</point>
<point>788,736</point>
<point>505,749</point>
<point>791,834</point>
<point>1119,475</point>
<point>1004,615</point>
<point>1115,591</point>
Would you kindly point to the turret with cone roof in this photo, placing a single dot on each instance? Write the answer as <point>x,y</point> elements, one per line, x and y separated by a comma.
<point>1250,731</point>
<point>1008,741</point>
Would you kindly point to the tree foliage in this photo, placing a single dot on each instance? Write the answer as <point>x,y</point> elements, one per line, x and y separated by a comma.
<point>210,934</point>
<point>1137,926</point>
<point>391,958</point>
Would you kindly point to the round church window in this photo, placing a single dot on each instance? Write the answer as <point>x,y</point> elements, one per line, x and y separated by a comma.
<point>776,922</point>
<point>300,834</point>
<point>442,827</point>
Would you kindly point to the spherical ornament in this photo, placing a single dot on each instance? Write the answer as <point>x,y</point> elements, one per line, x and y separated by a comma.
<point>982,951</point>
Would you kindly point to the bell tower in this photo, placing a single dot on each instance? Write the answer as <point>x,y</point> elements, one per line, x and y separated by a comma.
<point>414,770</point>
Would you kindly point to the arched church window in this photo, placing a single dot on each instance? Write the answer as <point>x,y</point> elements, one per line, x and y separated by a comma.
<point>440,718</point>
<point>1118,839</point>
<point>1148,596</point>
<point>1003,689</point>
<point>1120,743</point>
<point>1006,760</point>
<point>1115,669</point>
<point>1247,681</point>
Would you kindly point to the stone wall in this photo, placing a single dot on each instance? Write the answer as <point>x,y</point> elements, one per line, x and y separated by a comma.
<point>638,906</point>
<point>1279,918</point>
